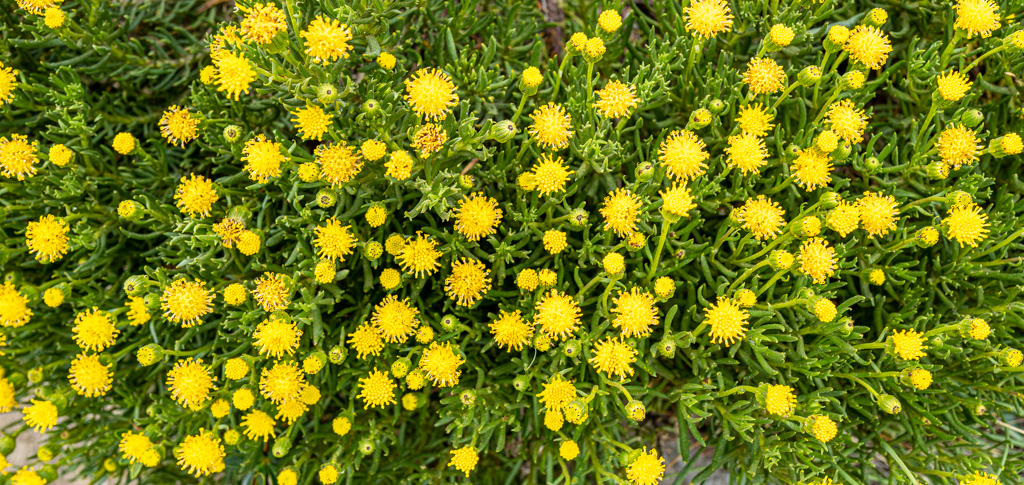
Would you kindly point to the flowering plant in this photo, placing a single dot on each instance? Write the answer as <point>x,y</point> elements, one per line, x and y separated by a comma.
<point>418,241</point>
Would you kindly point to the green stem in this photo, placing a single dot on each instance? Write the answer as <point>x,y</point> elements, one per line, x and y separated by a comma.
<point>862,383</point>
<point>771,281</point>
<point>657,253</point>
<point>558,80</point>
<point>1001,244</point>
<point>927,121</point>
<point>991,52</point>
<point>519,110</point>
<point>957,36</point>
<point>784,94</point>
<point>747,274</point>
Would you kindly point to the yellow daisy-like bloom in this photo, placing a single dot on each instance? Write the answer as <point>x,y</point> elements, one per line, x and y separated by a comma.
<point>844,218</point>
<point>635,313</point>
<point>958,145</point>
<point>234,74</point>
<point>527,279</point>
<point>552,126</point>
<point>441,364</point>
<point>683,155</point>
<point>235,294</point>
<point>386,60</point>
<point>26,476</point>
<point>921,379</point>
<point>373,150</point>
<point>823,428</point>
<point>980,479</point>
<point>595,48</point>
<point>646,469</point>
<point>558,315</point>
<point>60,155</point>
<point>399,165</point>
<point>230,231</point>
<point>846,120</point>
<point>258,425</point>
<point>511,331</point>
<point>764,76</point>
<point>908,344</point>
<point>262,22</point>
<point>620,211</point>
<point>746,298</point>
<point>553,420</point>
<point>262,158</point>
<point>178,126</point>
<point>827,141</point>
<point>763,217</point>
<point>324,271</point>
<point>207,74</point>
<point>394,244</point>
<point>617,99</point>
<point>550,175</point>
<point>568,450</point>
<point>419,256</point>
<point>272,292</point>
<point>953,85</point>
<point>555,241</point>
<point>376,216</point>
<point>817,259</point>
<point>248,243</point>
<point>200,454</point>
<point>195,196</point>
<point>431,93</point>
<point>341,425</point>
<point>812,169</point>
<point>94,330</point>
<point>123,143</point>
<point>276,337</point>
<point>14,311</point>
<point>609,21</point>
<point>7,400</point>
<point>328,475</point>
<point>220,408</point>
<point>190,383</point>
<point>312,122</point>
<point>613,357</point>
<point>88,376</point>
<point>1011,143</point>
<point>877,277</point>
<point>333,241</point>
<point>477,216</point>
<point>377,389</point>
<point>781,35</point>
<point>878,213</point>
<point>755,119</point>
<point>468,282</point>
<point>869,46</point>
<point>557,393</point>
<point>464,459</point>
<point>366,340</point>
<point>236,369</point>
<point>282,383</point>
<point>390,278</point>
<point>41,415</point>
<point>133,446</point>
<point>429,139</point>
<point>780,400</point>
<point>825,310</point>
<point>326,40</point>
<point>708,18</point>
<point>727,320</point>
<point>746,152</point>
<point>396,319</point>
<point>966,224</point>
<point>18,157</point>
<point>53,297</point>
<point>8,81</point>
<point>677,200</point>
<point>977,17</point>
<point>47,238</point>
<point>339,163</point>
<point>185,302</point>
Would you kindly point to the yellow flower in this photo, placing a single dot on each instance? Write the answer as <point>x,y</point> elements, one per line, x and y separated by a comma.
<point>248,243</point>
<point>921,379</point>
<point>390,278</point>
<point>272,292</point>
<point>328,474</point>
<point>635,313</point>
<point>755,120</point>
<point>764,76</point>
<point>282,383</point>
<point>7,400</point>
<point>727,321</point>
<point>609,21</point>
<point>377,389</point>
<point>396,319</point>
<point>276,337</point>
<point>341,425</point>
<point>236,369</point>
<point>53,297</point>
<point>558,315</point>
<point>14,311</point>
<point>527,279</point>
<point>333,241</point>
<point>746,152</point>
<point>568,450</point>
<point>825,310</point>
<point>553,419</point>
<point>431,93</point>
<point>594,49</point>
<point>554,241</point>
<point>366,340</point>
<point>386,60</point>
<point>220,408</point>
<point>746,298</point>
<point>616,100</point>
<point>89,377</point>
<point>195,196</point>
<point>547,277</point>
<point>511,330</point>
<point>262,158</point>
<point>869,46</point>
<point>399,165</point>
<point>26,476</point>
<point>8,81</point>
<point>133,446</point>
<point>827,141</point>
<point>419,256</point>
<point>550,175</point>
<point>18,157</point>
<point>429,139</point>
<point>178,126</point>
<point>877,277</point>
<point>878,213</point>
<point>200,454</point>
<point>207,74</point>
<point>464,459</point>
<point>123,143</point>
<point>646,469</point>
<point>185,302</point>
<point>822,427</point>
<point>258,425</point>
<point>780,400</point>
<point>677,200</point>
<point>441,364</point>
<point>477,216</point>
<point>190,383</point>
<point>376,215</point>
<point>339,163</point>
<point>326,40</point>
<point>262,22</point>
<point>953,85</point>
<point>38,6</point>
<point>844,218</point>
<point>234,74</point>
<point>312,122</point>
<point>980,479</point>
<point>47,238</point>
<point>846,120</point>
<point>324,271</point>
<point>958,145</point>
<point>41,415</point>
<point>94,330</point>
<point>966,224</point>
<point>577,42</point>
<point>468,282</point>
<point>620,211</point>
<point>613,357</point>
<point>683,155</point>
<point>763,217</point>
<point>781,35</point>
<point>908,344</point>
<point>977,17</point>
<point>552,127</point>
<point>708,18</point>
<point>60,155</point>
<point>817,259</point>
<point>812,169</point>
<point>235,294</point>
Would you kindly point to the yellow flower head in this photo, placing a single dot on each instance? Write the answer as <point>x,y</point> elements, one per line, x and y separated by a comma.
<point>18,157</point>
<point>878,213</point>
<point>185,302</point>
<point>527,279</point>
<point>558,315</point>
<point>262,22</point>
<point>594,49</point>
<point>620,211</point>
<point>399,165</point>
<point>846,120</point>
<point>312,122</point>
<point>272,292</point>
<point>568,450</point>
<point>386,60</point>
<point>780,400</point>
<point>746,298</point>
<point>339,163</point>
<point>953,85</point>
<point>234,74</point>
<point>958,145</point>
<point>844,218</point>
<point>94,330</point>
<point>133,446</point>
<point>8,81</point>
<point>377,389</point>
<point>373,150</point>
<point>825,310</point>
<point>376,215</point>
<point>869,46</point>
<point>781,35</point>
<point>47,238</point>
<point>441,364</point>
<point>431,93</point>
<point>328,474</point>
<point>262,158</point>
<point>647,469</point>
<point>746,152</point>
<point>190,383</point>
<point>557,393</point>
<point>429,139</point>
<point>908,344</point>
<point>419,256</point>
<point>464,459</point>
<point>921,379</point>
<point>635,313</point>
<point>763,217</point>
<point>236,368</point>
<point>764,76</point>
<point>755,119</point>
<point>123,143</point>
<point>552,126</point>
<point>966,224</point>
<point>708,18</point>
<point>390,278</point>
<point>477,216</point>
<point>511,331</point>
<point>977,17</point>
<point>613,357</point>
<point>827,141</point>
<point>7,400</point>
<point>200,454</point>
<point>88,376</point>
<point>235,294</point>
<point>683,155</point>
<point>326,40</point>
<point>283,382</point>
<point>60,155</point>
<point>366,340</point>
<point>396,319</point>
<point>822,427</point>
<point>53,297</point>
<point>178,126</point>
<point>616,100</point>
<point>817,259</point>
<point>276,337</point>
<point>14,311</point>
<point>334,242</point>
<point>468,282</point>
<point>41,415</point>
<point>195,196</point>
<point>258,425</point>
<point>677,200</point>
<point>727,321</point>
<point>550,175</point>
<point>324,271</point>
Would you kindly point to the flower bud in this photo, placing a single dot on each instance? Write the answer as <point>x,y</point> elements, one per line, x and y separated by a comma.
<point>1008,144</point>
<point>852,80</point>
<point>424,335</point>
<point>326,93</point>
<point>371,107</point>
<point>972,118</point>
<point>807,227</point>
<point>980,409</point>
<point>872,164</point>
<point>717,106</point>
<point>636,242</point>
<point>926,237</point>
<point>699,118</point>
<point>466,182</point>
<point>917,378</point>
<point>281,446</point>
<point>836,38</point>
<point>635,410</point>
<point>664,288</point>
<point>876,18</point>
<point>110,465</point>
<point>808,76</point>
<point>232,133</point>
<point>521,383</point>
<point>7,444</point>
<point>780,259</point>
<point>1010,357</point>
<point>449,322</point>
<point>130,210</point>
<point>366,445</point>
<point>400,368</point>
<point>830,200</point>
<point>938,170</point>
<point>578,218</point>
<point>644,171</point>
<point>530,81</point>
<point>576,44</point>
<point>149,354</point>
<point>889,404</point>
<point>779,36</point>
<point>541,342</point>
<point>468,397</point>
<point>326,198</point>
<point>337,354</point>
<point>845,327</point>
<point>875,276</point>
<point>571,348</point>
<point>136,285</point>
<point>666,348</point>
<point>594,50</point>
<point>373,250</point>
<point>502,131</point>
<point>576,411</point>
